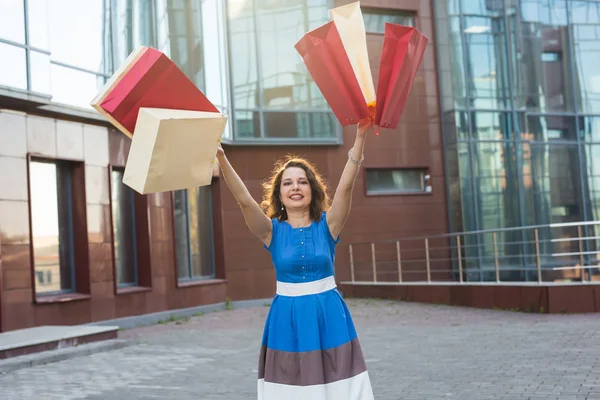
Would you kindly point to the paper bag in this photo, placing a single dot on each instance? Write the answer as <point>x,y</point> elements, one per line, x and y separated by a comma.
<point>148,78</point>
<point>327,62</point>
<point>403,49</point>
<point>349,22</point>
<point>173,149</point>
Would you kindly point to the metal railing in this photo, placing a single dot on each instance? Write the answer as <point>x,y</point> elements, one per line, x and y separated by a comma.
<point>562,253</point>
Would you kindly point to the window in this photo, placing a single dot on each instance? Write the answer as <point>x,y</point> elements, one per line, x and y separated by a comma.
<point>48,60</point>
<point>52,227</point>
<point>193,234</point>
<point>375,19</point>
<point>273,95</point>
<point>397,181</point>
<point>215,57</point>
<point>124,230</point>
<point>12,21</point>
<point>179,35</point>
<point>13,73</point>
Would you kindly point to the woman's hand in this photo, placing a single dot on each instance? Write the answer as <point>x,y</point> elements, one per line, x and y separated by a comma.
<point>220,151</point>
<point>363,127</point>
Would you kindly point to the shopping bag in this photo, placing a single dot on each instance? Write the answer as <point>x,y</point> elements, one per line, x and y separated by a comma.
<point>401,55</point>
<point>173,149</point>
<point>325,58</point>
<point>349,22</point>
<point>148,78</point>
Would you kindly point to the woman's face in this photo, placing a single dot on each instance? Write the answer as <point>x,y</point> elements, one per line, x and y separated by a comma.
<point>295,190</point>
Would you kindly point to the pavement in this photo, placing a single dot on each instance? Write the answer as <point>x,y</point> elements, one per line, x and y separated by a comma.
<point>413,351</point>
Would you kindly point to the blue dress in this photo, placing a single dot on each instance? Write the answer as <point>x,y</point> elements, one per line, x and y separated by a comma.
<point>310,349</point>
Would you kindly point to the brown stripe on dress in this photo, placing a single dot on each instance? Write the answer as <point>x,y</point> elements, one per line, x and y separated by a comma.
<point>312,367</point>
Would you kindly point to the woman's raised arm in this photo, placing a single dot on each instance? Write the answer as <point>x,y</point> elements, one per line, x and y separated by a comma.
<point>342,200</point>
<point>258,223</point>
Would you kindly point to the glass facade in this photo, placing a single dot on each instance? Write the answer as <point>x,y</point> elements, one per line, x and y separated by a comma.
<point>519,95</point>
<point>273,94</point>
<point>239,53</point>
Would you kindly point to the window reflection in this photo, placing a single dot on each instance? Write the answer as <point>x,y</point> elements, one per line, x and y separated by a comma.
<point>85,48</point>
<point>247,124</point>
<point>193,234</point>
<point>323,125</point>
<point>123,214</point>
<point>497,203</point>
<point>375,19</point>
<point>200,229</point>
<point>590,129</point>
<point>13,67</point>
<point>451,64</point>
<point>280,25</point>
<point>553,197</point>
<point>12,21</point>
<point>37,18</point>
<point>182,247</point>
<point>491,126</point>
<point>136,21</point>
<point>395,181</point>
<point>485,42</point>
<point>541,65</point>
<point>70,86</point>
<point>585,20</point>
<point>299,125</point>
<point>591,164</point>
<point>215,61</point>
<point>52,226</point>
<point>40,72</point>
<point>550,128</point>
<point>180,33</point>
<point>242,40</point>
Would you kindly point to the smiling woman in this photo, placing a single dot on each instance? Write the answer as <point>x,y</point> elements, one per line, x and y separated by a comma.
<point>292,185</point>
<point>310,348</point>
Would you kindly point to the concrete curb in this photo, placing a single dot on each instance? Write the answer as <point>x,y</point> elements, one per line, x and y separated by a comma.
<point>154,318</point>
<point>52,356</point>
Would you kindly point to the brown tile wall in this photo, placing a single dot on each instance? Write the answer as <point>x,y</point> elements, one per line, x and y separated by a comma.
<point>98,148</point>
<point>415,143</point>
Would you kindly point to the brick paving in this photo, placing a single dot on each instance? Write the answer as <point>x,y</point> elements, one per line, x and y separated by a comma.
<point>413,351</point>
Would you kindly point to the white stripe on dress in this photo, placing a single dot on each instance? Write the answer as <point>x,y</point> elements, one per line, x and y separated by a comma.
<point>305,288</point>
<point>356,388</point>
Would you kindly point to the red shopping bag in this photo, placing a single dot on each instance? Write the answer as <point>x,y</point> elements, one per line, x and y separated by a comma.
<point>328,64</point>
<point>403,49</point>
<point>148,78</point>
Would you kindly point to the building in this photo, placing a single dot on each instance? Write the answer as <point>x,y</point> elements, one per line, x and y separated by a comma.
<point>499,131</point>
<point>519,100</point>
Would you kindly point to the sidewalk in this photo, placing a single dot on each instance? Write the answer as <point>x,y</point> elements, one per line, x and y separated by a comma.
<point>413,351</point>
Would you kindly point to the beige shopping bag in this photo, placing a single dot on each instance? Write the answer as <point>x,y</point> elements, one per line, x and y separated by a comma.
<point>349,22</point>
<point>173,149</point>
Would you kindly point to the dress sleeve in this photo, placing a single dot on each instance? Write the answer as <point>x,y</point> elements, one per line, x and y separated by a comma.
<point>274,226</point>
<point>330,238</point>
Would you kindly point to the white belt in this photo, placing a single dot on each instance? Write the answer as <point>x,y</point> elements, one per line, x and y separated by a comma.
<point>305,288</point>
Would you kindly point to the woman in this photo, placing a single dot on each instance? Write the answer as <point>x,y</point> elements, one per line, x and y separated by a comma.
<point>310,348</point>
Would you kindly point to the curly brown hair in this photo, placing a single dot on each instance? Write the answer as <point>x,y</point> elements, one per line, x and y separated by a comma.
<point>271,203</point>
